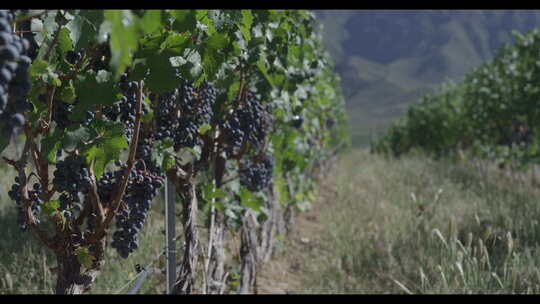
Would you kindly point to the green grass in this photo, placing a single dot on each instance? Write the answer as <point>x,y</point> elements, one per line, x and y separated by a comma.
<point>418,226</point>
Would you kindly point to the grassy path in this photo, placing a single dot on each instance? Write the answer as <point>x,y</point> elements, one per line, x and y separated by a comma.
<point>412,226</point>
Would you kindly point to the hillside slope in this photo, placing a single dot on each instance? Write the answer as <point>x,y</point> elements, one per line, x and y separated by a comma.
<point>388,58</point>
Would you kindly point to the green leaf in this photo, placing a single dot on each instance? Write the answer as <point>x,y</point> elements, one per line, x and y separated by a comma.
<point>211,57</point>
<point>248,200</point>
<point>103,77</point>
<point>203,17</point>
<point>175,41</point>
<point>124,37</point>
<point>190,64</point>
<point>245,27</point>
<point>151,43</point>
<point>45,37</point>
<point>91,92</point>
<point>38,67</point>
<point>64,40</point>
<point>107,148</point>
<point>204,128</point>
<point>184,20</point>
<point>168,161</point>
<point>67,93</point>
<point>281,185</point>
<point>85,28</point>
<point>42,70</point>
<point>51,78</point>
<point>50,208</point>
<point>211,63</point>
<point>194,59</point>
<point>50,144</point>
<point>151,21</point>
<point>84,257</point>
<point>139,71</point>
<point>210,192</point>
<point>74,138</point>
<point>218,41</point>
<point>233,90</point>
<point>162,75</point>
<point>261,64</point>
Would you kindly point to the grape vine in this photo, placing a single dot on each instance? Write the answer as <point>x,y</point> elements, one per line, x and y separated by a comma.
<point>229,106</point>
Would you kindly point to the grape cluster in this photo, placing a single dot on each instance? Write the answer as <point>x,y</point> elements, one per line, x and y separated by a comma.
<point>74,56</point>
<point>165,114</point>
<point>101,58</point>
<point>181,112</point>
<point>36,200</point>
<point>250,121</point>
<point>232,134</point>
<point>141,190</point>
<point>143,156</point>
<point>254,119</point>
<point>144,182</point>
<point>297,121</point>
<point>14,79</point>
<point>197,103</point>
<point>187,134</point>
<point>257,174</point>
<point>125,108</point>
<point>71,177</point>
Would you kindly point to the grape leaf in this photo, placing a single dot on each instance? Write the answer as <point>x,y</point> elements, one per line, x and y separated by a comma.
<point>107,148</point>
<point>204,128</point>
<point>84,29</point>
<point>249,200</point>
<point>124,36</point>
<point>74,138</point>
<point>184,20</point>
<point>245,26</point>
<point>91,92</point>
<point>64,40</point>
<point>50,208</point>
<point>211,63</point>
<point>50,144</point>
<point>261,64</point>
<point>175,41</point>
<point>217,41</point>
<point>194,63</point>
<point>167,161</point>
<point>210,192</point>
<point>84,257</point>
<point>67,93</point>
<point>162,75</point>
<point>151,21</point>
<point>38,67</point>
<point>281,186</point>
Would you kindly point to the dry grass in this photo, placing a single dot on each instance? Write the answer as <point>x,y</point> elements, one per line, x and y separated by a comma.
<point>413,225</point>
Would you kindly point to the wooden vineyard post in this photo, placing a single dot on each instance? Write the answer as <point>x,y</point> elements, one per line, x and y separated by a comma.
<point>170,246</point>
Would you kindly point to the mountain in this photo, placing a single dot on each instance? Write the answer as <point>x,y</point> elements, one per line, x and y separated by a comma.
<point>387,59</point>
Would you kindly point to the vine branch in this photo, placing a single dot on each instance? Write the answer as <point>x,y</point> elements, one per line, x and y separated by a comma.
<point>20,166</point>
<point>130,163</point>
